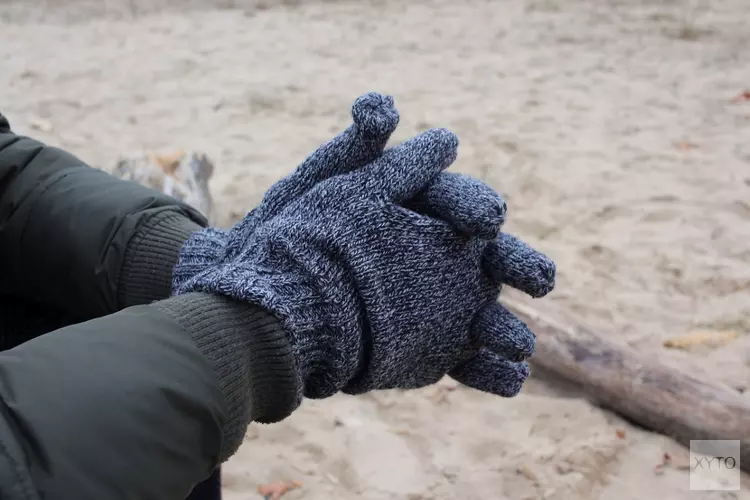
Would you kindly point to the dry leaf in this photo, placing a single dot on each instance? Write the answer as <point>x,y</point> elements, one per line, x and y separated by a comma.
<point>701,338</point>
<point>620,433</point>
<point>274,491</point>
<point>686,145</point>
<point>401,431</point>
<point>526,471</point>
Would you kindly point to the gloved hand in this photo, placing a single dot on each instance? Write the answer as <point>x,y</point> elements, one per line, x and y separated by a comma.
<point>469,334</point>
<point>375,119</point>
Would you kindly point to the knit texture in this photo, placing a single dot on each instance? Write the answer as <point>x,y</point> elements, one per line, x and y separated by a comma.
<point>151,254</point>
<point>248,351</point>
<point>375,119</point>
<point>383,274</point>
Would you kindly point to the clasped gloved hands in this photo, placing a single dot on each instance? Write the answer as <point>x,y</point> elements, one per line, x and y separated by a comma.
<point>383,269</point>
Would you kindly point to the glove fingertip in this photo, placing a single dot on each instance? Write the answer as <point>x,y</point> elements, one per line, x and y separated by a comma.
<point>486,224</point>
<point>508,260</point>
<point>468,204</point>
<point>404,171</point>
<point>547,271</point>
<point>489,373</point>
<point>375,114</point>
<point>448,140</point>
<point>500,331</point>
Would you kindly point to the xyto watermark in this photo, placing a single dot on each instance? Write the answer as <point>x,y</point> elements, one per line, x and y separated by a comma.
<point>715,465</point>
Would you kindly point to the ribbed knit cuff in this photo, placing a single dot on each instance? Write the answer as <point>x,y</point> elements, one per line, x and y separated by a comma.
<point>250,354</point>
<point>151,255</point>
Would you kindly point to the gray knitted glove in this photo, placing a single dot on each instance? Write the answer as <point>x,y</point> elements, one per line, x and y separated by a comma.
<point>480,358</point>
<point>495,365</point>
<point>375,119</point>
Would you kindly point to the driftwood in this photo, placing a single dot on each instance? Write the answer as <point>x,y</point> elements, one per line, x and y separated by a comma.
<point>184,175</point>
<point>657,397</point>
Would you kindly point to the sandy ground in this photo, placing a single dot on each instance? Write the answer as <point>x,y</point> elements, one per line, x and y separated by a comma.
<point>609,127</point>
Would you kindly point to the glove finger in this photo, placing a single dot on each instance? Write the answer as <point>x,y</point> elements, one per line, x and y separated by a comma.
<point>468,204</point>
<point>500,331</point>
<point>510,261</point>
<point>375,119</point>
<point>405,170</point>
<point>488,372</point>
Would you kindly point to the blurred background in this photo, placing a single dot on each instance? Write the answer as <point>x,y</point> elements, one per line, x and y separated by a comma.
<point>618,131</point>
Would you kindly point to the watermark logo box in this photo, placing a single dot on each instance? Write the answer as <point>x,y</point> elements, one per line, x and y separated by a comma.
<point>715,465</point>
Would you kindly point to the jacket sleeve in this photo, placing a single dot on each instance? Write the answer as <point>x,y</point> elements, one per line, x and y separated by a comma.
<point>22,320</point>
<point>120,407</point>
<point>65,228</point>
<point>143,403</point>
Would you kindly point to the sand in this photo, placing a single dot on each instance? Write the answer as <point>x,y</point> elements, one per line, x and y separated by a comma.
<point>608,126</point>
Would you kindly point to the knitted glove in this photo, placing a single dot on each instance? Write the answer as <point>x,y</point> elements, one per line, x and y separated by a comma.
<point>458,200</point>
<point>495,365</point>
<point>375,119</point>
<point>373,295</point>
<point>491,368</point>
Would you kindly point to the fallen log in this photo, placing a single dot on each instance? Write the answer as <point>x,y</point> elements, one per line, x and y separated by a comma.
<point>655,396</point>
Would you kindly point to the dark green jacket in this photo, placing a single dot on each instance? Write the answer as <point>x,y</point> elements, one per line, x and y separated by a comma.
<point>137,404</point>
